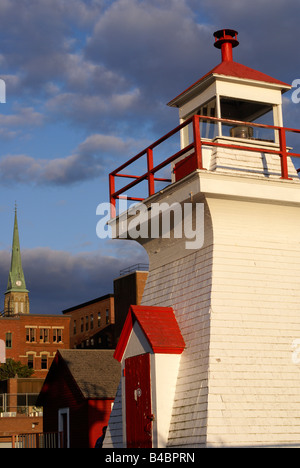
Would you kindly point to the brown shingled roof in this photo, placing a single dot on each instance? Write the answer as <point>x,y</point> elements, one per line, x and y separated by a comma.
<point>95,371</point>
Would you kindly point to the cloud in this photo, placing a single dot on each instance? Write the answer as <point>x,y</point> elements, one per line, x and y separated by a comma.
<point>58,280</point>
<point>90,160</point>
<point>108,67</point>
<point>151,42</point>
<point>19,122</point>
<point>24,117</point>
<point>102,111</point>
<point>267,33</point>
<point>101,65</point>
<point>42,25</point>
<point>38,37</point>
<point>138,56</point>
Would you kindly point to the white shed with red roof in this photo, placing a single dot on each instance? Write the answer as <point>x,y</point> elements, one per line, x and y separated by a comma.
<point>149,350</point>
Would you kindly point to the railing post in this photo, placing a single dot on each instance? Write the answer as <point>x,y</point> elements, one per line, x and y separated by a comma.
<point>111,196</point>
<point>283,155</point>
<point>151,188</point>
<point>197,141</point>
<point>61,440</point>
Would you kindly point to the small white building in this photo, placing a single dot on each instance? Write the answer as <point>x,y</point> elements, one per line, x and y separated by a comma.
<point>232,375</point>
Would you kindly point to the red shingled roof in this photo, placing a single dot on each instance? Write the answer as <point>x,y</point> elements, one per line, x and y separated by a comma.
<point>159,326</point>
<point>231,68</point>
<point>237,70</point>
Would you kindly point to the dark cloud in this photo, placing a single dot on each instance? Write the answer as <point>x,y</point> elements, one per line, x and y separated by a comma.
<point>267,33</point>
<point>138,55</point>
<point>155,44</point>
<point>58,280</point>
<point>36,35</point>
<point>109,67</point>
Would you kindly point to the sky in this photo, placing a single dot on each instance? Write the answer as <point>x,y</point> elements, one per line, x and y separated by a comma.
<point>87,82</point>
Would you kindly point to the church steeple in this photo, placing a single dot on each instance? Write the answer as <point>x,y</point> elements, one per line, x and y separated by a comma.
<point>16,278</point>
<point>16,296</point>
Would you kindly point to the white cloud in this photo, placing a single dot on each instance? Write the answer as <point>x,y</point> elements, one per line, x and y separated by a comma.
<point>24,117</point>
<point>148,41</point>
<point>89,160</point>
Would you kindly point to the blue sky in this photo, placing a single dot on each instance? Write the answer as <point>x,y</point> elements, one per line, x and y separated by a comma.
<point>87,82</point>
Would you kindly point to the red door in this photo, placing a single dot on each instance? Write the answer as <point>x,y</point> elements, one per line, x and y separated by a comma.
<point>138,402</point>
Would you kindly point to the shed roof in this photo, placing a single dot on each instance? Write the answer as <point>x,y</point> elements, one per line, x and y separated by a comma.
<point>95,372</point>
<point>159,326</point>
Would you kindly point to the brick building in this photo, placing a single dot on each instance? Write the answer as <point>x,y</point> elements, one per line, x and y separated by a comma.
<point>31,339</point>
<point>34,339</point>
<point>18,409</point>
<point>128,290</point>
<point>91,323</point>
<point>97,324</point>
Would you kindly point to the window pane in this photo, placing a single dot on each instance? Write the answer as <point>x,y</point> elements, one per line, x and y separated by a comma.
<point>247,111</point>
<point>8,340</point>
<point>30,361</point>
<point>44,362</point>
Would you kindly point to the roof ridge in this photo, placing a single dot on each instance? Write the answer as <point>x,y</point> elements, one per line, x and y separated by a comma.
<point>235,70</point>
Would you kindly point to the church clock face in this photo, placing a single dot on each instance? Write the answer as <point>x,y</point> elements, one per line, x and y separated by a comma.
<point>19,283</point>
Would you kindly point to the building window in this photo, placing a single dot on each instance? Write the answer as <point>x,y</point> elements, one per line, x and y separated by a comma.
<point>99,319</point>
<point>30,361</point>
<point>57,335</point>
<point>74,328</point>
<point>107,315</point>
<point>44,361</point>
<point>81,324</point>
<point>30,335</point>
<point>8,340</point>
<point>86,322</point>
<point>92,322</point>
<point>44,335</point>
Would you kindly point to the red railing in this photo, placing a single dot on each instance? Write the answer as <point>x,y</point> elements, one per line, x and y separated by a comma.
<point>196,145</point>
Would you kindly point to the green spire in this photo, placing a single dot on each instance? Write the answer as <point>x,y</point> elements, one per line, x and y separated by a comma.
<point>16,278</point>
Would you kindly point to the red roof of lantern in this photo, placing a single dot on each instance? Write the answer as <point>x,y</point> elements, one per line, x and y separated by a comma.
<point>226,40</point>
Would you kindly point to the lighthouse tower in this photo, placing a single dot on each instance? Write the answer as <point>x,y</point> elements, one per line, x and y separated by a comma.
<point>212,356</point>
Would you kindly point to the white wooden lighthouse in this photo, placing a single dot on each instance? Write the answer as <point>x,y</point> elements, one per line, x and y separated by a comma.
<point>214,346</point>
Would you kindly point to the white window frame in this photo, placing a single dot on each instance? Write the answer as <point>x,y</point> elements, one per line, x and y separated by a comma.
<point>61,412</point>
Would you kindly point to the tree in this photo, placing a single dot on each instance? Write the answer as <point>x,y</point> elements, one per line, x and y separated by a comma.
<point>12,369</point>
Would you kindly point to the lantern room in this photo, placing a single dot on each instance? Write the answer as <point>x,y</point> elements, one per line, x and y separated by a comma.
<point>230,121</point>
<point>235,92</point>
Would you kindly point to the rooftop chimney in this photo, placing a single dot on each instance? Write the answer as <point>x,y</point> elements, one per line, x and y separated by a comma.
<point>226,39</point>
